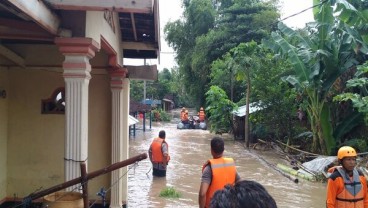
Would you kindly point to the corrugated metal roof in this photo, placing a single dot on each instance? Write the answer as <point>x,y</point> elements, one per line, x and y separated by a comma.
<point>253,107</point>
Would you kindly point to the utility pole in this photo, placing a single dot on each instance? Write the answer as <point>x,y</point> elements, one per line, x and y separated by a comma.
<point>144,87</point>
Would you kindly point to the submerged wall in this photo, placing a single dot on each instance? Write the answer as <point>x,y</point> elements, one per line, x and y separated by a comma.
<point>4,85</point>
<point>36,140</point>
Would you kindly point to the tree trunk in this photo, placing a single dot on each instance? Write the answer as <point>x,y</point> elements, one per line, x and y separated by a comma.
<point>247,129</point>
<point>231,86</point>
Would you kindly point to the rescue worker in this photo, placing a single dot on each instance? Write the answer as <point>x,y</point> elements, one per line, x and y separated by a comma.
<point>347,186</point>
<point>185,119</point>
<point>159,155</point>
<point>184,115</point>
<point>201,115</point>
<point>182,112</point>
<point>216,173</point>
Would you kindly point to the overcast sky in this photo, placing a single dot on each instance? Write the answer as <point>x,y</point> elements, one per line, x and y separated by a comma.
<point>170,10</point>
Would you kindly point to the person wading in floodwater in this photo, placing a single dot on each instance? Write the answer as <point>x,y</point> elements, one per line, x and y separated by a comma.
<point>159,155</point>
<point>216,173</point>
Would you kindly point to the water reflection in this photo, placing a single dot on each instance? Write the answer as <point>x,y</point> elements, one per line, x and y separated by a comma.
<point>189,149</point>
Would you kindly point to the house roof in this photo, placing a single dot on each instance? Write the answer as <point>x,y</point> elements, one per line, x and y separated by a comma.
<point>241,111</point>
<point>35,21</point>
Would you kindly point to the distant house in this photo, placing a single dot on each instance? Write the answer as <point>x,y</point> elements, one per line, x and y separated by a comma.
<point>65,90</point>
<point>152,103</point>
<point>168,103</point>
<point>239,116</point>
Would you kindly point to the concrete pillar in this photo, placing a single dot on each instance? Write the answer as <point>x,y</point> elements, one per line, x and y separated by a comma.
<point>119,149</point>
<point>76,66</point>
<point>126,97</point>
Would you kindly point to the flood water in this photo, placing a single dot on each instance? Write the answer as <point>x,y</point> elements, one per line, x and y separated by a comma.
<point>189,149</point>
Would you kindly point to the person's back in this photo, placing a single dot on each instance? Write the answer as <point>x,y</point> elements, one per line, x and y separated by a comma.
<point>216,173</point>
<point>159,155</point>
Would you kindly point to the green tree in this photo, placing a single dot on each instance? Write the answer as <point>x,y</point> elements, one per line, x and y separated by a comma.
<point>245,61</point>
<point>136,90</point>
<point>219,107</point>
<point>199,18</point>
<point>198,45</point>
<point>318,60</point>
<point>276,98</point>
<point>154,89</point>
<point>360,98</point>
<point>223,75</point>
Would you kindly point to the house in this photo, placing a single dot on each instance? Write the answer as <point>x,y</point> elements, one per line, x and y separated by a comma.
<point>239,116</point>
<point>168,103</point>
<point>65,90</point>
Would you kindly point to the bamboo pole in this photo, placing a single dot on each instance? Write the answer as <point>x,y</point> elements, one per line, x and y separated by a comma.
<point>309,153</point>
<point>288,176</point>
<point>291,171</point>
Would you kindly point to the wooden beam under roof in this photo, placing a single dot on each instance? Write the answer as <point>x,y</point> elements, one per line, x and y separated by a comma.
<point>133,26</point>
<point>9,54</point>
<point>39,13</point>
<point>144,72</point>
<point>135,6</point>
<point>139,46</point>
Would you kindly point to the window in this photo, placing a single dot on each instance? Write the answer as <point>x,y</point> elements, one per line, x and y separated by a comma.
<point>55,104</point>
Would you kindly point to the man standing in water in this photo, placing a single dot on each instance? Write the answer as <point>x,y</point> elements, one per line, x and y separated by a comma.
<point>159,155</point>
<point>347,186</point>
<point>216,173</point>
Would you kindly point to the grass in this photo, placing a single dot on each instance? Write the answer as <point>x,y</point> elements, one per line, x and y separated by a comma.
<point>170,192</point>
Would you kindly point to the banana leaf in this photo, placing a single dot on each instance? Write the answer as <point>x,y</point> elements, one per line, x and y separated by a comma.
<point>347,125</point>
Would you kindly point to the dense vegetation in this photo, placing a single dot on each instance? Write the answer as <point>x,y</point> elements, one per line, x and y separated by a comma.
<point>311,83</point>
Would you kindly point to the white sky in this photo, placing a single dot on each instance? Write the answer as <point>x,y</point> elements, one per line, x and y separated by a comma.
<point>170,10</point>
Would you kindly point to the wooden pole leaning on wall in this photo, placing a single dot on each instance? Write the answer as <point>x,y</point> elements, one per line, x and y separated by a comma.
<point>84,183</point>
<point>85,177</point>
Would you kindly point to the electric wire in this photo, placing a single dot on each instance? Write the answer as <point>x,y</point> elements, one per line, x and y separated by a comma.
<point>115,182</point>
<point>269,25</point>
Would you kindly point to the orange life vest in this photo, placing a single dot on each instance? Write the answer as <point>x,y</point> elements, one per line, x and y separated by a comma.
<point>223,172</point>
<point>182,115</point>
<point>185,117</point>
<point>352,194</point>
<point>201,115</point>
<point>157,155</point>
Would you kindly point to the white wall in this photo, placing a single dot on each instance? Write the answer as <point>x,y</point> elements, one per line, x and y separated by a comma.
<point>103,29</point>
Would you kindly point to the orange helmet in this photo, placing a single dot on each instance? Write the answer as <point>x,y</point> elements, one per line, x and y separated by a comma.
<point>346,151</point>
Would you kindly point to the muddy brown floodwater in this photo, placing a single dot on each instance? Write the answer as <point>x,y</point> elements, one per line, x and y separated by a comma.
<point>189,149</point>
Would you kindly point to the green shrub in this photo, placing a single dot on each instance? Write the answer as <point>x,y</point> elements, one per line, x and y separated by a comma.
<point>170,192</point>
<point>360,144</point>
<point>160,115</point>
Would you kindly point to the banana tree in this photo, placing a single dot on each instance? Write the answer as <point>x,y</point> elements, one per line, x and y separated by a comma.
<point>318,59</point>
